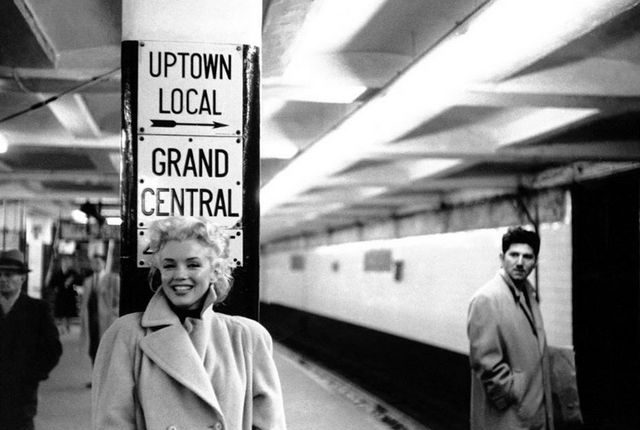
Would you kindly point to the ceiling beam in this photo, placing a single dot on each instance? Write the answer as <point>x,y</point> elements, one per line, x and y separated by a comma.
<point>54,85</point>
<point>75,176</point>
<point>597,83</point>
<point>433,185</point>
<point>494,182</point>
<point>490,96</point>
<point>283,21</point>
<point>74,115</point>
<point>593,76</point>
<point>105,141</point>
<point>581,172</point>
<point>67,196</point>
<point>548,152</point>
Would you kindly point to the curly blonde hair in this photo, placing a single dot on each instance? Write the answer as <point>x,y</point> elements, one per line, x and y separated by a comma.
<point>210,235</point>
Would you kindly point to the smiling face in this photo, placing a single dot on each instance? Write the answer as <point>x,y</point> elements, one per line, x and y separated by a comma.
<point>518,261</point>
<point>186,272</point>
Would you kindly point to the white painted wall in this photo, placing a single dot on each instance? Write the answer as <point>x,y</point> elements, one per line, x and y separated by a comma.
<point>429,304</point>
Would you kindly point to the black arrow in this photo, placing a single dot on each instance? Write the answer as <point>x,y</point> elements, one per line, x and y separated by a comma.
<point>169,123</point>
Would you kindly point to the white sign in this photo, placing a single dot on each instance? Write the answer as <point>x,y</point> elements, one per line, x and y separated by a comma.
<point>189,176</point>
<point>190,89</point>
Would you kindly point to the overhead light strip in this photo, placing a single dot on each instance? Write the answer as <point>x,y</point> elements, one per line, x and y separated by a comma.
<point>502,39</point>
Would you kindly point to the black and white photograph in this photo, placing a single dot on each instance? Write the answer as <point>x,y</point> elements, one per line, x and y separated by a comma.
<point>320,214</point>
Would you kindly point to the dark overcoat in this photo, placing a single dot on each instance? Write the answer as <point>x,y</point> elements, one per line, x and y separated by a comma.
<point>29,349</point>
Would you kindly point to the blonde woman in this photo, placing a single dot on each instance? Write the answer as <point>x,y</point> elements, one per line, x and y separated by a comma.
<point>179,364</point>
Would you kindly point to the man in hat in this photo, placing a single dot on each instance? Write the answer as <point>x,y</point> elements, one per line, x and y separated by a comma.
<point>29,345</point>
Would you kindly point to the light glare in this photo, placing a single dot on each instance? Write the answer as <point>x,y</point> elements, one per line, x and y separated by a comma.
<point>4,144</point>
<point>79,217</point>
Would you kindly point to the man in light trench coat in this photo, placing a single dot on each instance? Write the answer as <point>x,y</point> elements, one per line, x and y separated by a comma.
<point>100,304</point>
<point>510,385</point>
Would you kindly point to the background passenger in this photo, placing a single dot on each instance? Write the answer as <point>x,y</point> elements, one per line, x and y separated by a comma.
<point>100,303</point>
<point>63,285</point>
<point>510,385</point>
<point>180,364</point>
<point>29,345</point>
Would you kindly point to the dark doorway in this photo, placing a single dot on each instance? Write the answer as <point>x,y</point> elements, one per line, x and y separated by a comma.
<point>606,298</point>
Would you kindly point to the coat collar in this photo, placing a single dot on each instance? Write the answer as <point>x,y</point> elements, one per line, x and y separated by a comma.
<point>168,344</point>
<point>159,312</point>
<point>533,314</point>
<point>518,293</point>
<point>520,299</point>
<point>8,304</point>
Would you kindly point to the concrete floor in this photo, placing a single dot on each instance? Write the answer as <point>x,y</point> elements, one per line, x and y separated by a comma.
<point>314,398</point>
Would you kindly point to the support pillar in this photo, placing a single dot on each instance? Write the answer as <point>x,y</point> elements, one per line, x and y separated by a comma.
<point>190,132</point>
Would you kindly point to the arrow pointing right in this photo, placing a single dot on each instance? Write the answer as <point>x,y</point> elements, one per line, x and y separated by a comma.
<point>169,123</point>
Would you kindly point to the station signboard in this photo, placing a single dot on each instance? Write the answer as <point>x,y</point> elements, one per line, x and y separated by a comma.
<point>190,176</point>
<point>189,146</point>
<point>191,89</point>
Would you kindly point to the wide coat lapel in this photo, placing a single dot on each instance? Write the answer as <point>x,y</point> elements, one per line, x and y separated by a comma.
<point>521,301</point>
<point>168,345</point>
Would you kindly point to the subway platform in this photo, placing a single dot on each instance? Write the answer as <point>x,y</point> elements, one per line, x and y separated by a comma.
<point>314,397</point>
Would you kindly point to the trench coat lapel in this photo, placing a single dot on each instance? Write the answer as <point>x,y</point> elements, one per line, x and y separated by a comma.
<point>537,319</point>
<point>521,301</point>
<point>170,347</point>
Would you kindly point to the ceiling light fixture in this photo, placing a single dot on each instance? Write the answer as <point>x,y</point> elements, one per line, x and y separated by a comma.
<point>114,220</point>
<point>4,144</point>
<point>501,39</point>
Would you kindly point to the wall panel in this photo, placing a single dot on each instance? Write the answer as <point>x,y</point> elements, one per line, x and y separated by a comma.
<point>429,304</point>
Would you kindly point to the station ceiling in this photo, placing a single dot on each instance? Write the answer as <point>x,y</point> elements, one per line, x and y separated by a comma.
<point>370,109</point>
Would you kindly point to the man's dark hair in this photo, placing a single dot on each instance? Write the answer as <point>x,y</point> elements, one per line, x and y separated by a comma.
<point>521,235</point>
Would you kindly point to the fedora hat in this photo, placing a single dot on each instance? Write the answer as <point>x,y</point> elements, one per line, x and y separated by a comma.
<point>13,259</point>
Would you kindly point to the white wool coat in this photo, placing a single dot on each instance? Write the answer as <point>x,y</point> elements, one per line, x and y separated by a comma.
<point>152,372</point>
